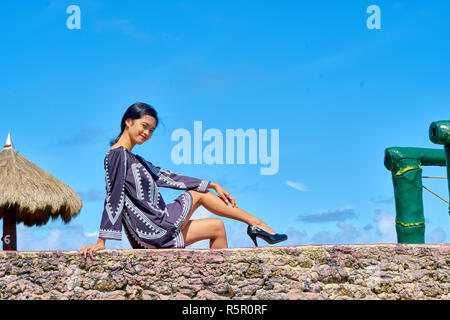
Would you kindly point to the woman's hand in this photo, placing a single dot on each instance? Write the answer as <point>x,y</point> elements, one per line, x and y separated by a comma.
<point>224,195</point>
<point>100,245</point>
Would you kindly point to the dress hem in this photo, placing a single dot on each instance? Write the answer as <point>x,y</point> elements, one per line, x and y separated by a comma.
<point>191,204</point>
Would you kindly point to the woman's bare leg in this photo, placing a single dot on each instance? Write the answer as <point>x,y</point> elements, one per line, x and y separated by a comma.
<point>216,205</point>
<point>201,229</point>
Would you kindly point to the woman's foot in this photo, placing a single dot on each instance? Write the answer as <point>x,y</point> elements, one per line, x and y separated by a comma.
<point>262,225</point>
<point>255,232</point>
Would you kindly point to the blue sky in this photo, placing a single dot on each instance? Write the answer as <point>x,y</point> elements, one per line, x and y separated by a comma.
<point>338,92</point>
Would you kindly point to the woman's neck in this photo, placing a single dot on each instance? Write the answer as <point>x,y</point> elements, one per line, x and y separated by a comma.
<point>124,141</point>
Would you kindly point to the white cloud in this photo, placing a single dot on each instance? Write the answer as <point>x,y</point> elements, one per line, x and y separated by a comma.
<point>330,215</point>
<point>437,235</point>
<point>385,223</point>
<point>295,237</point>
<point>322,237</point>
<point>58,236</point>
<point>91,234</point>
<point>52,236</point>
<point>297,186</point>
<point>347,234</point>
<point>351,235</point>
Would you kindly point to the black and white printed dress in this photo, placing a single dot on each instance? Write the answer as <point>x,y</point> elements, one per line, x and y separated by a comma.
<point>133,200</point>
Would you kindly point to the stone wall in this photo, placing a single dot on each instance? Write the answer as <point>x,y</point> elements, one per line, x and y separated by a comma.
<point>391,271</point>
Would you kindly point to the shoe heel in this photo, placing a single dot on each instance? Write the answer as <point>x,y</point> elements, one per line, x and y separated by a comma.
<point>253,237</point>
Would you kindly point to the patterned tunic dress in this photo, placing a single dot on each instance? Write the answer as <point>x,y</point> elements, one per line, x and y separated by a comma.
<point>133,200</point>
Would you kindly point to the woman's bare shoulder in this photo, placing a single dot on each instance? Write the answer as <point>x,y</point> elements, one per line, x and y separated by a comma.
<point>115,147</point>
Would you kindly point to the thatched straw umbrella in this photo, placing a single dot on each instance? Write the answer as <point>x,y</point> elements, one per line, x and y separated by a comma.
<point>30,195</point>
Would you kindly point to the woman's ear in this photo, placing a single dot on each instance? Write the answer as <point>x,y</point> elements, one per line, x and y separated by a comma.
<point>129,122</point>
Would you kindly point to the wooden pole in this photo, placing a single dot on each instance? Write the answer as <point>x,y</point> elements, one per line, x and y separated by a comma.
<point>9,237</point>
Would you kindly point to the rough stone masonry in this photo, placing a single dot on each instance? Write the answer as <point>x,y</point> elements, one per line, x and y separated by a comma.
<point>383,271</point>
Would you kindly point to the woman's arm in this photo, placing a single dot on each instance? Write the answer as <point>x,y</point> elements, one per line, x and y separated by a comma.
<point>168,179</point>
<point>174,180</point>
<point>223,194</point>
<point>111,223</point>
<point>100,245</point>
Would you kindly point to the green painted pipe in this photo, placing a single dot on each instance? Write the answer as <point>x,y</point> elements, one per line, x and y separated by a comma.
<point>440,134</point>
<point>406,167</point>
<point>426,156</point>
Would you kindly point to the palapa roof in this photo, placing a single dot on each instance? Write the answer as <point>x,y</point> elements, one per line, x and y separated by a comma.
<point>32,192</point>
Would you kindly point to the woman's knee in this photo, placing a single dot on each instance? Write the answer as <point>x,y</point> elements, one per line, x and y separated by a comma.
<point>219,227</point>
<point>208,228</point>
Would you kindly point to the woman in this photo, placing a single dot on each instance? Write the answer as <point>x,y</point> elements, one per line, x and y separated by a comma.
<point>133,199</point>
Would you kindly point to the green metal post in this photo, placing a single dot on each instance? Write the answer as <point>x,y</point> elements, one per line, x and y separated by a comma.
<point>440,134</point>
<point>406,167</point>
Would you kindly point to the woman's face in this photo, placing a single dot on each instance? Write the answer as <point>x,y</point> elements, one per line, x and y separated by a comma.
<point>140,130</point>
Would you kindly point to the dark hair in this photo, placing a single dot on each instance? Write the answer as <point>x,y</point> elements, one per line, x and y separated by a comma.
<point>136,111</point>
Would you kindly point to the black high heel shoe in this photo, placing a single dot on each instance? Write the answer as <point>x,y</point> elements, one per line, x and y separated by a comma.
<point>254,231</point>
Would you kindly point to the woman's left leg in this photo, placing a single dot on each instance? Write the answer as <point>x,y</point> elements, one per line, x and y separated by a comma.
<point>216,205</point>
<point>201,229</point>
